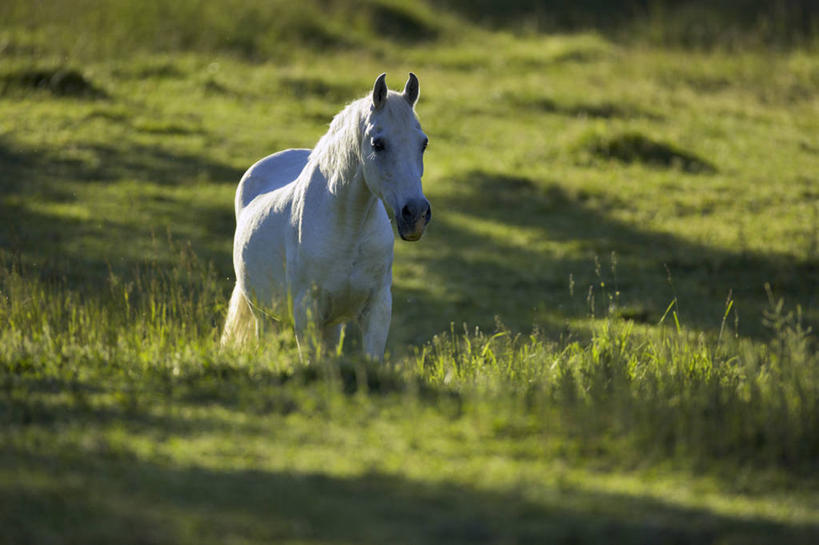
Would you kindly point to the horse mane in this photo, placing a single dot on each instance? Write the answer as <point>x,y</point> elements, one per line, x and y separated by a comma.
<point>337,154</point>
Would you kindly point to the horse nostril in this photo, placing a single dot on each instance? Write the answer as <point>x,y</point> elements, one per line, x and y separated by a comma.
<point>428,215</point>
<point>407,213</point>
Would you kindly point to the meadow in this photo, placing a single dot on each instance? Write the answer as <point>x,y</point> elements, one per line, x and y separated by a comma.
<point>607,333</point>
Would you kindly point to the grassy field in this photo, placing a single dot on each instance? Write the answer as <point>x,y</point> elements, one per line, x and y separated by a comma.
<point>606,335</point>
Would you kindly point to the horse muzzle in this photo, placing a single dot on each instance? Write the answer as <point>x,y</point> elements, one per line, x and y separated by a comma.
<point>413,219</point>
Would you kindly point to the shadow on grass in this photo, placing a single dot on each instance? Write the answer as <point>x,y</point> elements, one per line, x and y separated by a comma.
<point>119,395</point>
<point>109,496</point>
<point>27,170</point>
<point>60,82</point>
<point>86,248</point>
<point>472,277</point>
<point>691,23</point>
<point>580,109</point>
<point>480,276</point>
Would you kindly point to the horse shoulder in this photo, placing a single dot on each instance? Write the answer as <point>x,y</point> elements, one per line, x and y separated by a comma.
<point>269,174</point>
<point>374,252</point>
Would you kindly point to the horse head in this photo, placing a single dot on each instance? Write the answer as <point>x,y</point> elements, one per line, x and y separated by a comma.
<point>392,151</point>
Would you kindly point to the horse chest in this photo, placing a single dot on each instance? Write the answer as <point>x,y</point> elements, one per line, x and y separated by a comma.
<point>353,279</point>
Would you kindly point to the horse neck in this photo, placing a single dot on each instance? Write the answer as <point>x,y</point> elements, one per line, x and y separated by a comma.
<point>350,197</point>
<point>334,193</point>
<point>337,159</point>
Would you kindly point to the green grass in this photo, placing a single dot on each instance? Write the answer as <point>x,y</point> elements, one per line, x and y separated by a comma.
<point>123,421</point>
<point>605,336</point>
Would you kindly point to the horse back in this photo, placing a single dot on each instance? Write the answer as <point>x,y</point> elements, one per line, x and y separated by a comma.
<point>269,174</point>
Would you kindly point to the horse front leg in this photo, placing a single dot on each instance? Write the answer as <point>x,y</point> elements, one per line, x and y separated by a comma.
<point>375,323</point>
<point>302,316</point>
<point>313,337</point>
<point>331,337</point>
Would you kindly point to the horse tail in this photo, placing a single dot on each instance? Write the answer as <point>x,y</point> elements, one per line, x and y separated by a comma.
<point>240,324</point>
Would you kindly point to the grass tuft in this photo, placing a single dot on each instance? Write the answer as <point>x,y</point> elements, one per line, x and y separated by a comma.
<point>59,81</point>
<point>631,147</point>
<point>400,23</point>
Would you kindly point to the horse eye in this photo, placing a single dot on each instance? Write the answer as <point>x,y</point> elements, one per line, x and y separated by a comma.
<point>379,144</point>
<point>424,145</point>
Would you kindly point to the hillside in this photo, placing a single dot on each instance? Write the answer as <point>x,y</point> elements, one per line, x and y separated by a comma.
<point>606,334</point>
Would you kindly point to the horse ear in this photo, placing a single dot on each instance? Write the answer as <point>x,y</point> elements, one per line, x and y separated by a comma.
<point>411,89</point>
<point>380,92</point>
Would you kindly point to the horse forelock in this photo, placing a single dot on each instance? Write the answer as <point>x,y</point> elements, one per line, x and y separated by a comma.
<point>399,111</point>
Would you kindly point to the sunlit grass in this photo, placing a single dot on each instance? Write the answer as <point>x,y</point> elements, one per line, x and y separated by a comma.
<point>129,383</point>
<point>604,335</point>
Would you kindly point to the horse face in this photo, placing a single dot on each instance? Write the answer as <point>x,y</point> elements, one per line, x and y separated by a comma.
<point>393,156</point>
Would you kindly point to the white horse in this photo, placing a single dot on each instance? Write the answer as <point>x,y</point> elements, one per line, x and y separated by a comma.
<point>313,239</point>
